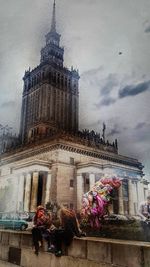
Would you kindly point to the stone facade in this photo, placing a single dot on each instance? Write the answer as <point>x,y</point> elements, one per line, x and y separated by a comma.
<point>61,171</point>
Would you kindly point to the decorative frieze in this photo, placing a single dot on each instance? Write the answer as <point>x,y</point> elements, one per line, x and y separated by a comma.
<point>76,148</point>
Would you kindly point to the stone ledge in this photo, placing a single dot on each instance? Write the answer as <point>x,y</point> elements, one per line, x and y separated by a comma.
<point>6,264</point>
<point>116,241</point>
<point>86,251</point>
<point>94,239</point>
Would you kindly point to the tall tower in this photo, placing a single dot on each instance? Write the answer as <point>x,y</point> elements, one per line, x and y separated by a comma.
<point>50,98</point>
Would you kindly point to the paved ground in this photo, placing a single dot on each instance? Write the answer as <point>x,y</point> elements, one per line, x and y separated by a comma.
<point>7,264</point>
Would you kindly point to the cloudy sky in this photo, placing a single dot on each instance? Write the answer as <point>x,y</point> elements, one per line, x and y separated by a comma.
<point>108,41</point>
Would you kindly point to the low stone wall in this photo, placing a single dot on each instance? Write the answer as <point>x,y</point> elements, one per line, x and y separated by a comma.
<point>121,229</point>
<point>16,247</point>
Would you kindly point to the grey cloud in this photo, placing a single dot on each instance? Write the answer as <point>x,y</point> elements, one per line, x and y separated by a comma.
<point>125,128</point>
<point>8,104</point>
<point>133,90</point>
<point>107,102</point>
<point>114,131</point>
<point>108,85</point>
<point>110,82</point>
<point>98,124</point>
<point>115,128</point>
<point>147,29</point>
<point>140,125</point>
<point>141,135</point>
<point>91,72</point>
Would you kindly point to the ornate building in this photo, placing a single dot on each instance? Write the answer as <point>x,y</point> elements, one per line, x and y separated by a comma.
<point>50,95</point>
<point>55,162</point>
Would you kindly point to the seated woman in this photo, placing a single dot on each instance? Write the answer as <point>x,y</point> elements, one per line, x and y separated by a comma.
<point>41,222</point>
<point>69,227</point>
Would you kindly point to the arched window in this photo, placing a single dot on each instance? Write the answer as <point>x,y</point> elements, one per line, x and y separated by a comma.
<point>62,81</point>
<point>58,79</point>
<point>69,84</point>
<point>32,133</point>
<point>66,82</point>
<point>32,82</point>
<point>50,76</point>
<point>39,77</point>
<point>54,77</point>
<point>43,75</point>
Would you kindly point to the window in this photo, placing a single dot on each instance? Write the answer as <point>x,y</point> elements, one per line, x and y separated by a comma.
<point>72,161</point>
<point>58,79</point>
<point>65,81</point>
<point>62,80</point>
<point>71,206</point>
<point>50,76</point>
<point>87,181</point>
<point>71,183</point>
<point>125,189</point>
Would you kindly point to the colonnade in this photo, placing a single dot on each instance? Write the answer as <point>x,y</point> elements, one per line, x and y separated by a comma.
<point>30,194</point>
<point>121,206</point>
<point>28,186</point>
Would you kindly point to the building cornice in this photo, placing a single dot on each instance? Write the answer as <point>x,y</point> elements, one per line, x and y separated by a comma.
<point>60,144</point>
<point>32,162</point>
<point>104,166</point>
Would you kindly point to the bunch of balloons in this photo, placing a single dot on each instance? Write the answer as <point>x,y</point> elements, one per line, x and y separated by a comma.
<point>95,202</point>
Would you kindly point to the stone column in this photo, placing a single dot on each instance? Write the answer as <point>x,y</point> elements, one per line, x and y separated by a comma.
<point>140,188</point>
<point>12,201</point>
<point>48,187</point>
<point>131,198</point>
<point>27,193</point>
<point>79,190</point>
<point>92,180</point>
<point>20,192</point>
<point>135,196</point>
<point>34,192</point>
<point>120,198</point>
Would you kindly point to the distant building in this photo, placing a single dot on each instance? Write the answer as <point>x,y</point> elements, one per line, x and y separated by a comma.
<point>8,141</point>
<point>55,161</point>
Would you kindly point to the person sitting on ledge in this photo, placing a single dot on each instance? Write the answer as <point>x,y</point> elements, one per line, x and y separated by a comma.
<point>41,222</point>
<point>68,228</point>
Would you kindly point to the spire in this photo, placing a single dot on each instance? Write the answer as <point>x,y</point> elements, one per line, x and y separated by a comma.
<point>53,24</point>
<point>104,129</point>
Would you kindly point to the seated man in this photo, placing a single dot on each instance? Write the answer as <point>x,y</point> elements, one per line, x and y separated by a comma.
<point>144,210</point>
